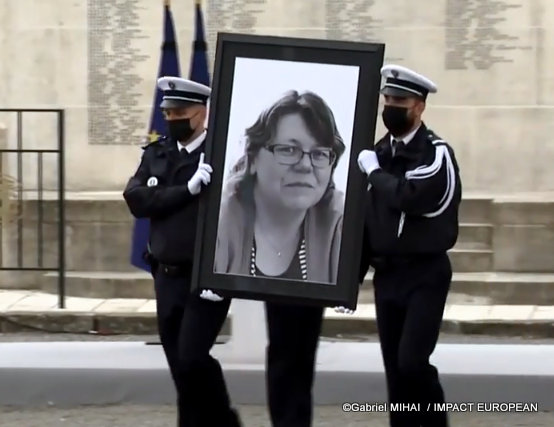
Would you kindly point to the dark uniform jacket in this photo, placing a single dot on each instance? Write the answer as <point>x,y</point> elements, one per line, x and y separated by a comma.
<point>412,201</point>
<point>169,205</point>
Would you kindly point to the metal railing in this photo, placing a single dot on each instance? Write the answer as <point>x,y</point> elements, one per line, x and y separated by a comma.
<point>17,199</point>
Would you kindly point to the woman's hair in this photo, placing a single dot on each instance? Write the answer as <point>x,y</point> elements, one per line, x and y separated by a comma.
<point>319,120</point>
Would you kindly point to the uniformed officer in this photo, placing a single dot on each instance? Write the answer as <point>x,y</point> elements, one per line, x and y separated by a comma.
<point>413,197</point>
<point>166,189</point>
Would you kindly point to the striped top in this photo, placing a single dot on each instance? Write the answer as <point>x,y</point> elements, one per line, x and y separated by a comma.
<point>298,268</point>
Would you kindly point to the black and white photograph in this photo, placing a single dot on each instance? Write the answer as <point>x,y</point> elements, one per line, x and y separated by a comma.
<point>286,169</point>
<point>286,124</point>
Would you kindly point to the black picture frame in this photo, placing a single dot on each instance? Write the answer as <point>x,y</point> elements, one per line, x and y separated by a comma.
<point>369,58</point>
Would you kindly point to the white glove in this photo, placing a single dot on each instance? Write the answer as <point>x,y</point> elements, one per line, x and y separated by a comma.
<point>210,296</point>
<point>344,310</point>
<point>367,161</point>
<point>201,176</point>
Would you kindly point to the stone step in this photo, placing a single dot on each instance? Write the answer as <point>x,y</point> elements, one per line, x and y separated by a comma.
<point>471,253</point>
<point>508,288</point>
<point>466,288</point>
<point>471,260</point>
<point>489,288</point>
<point>476,209</point>
<point>102,284</point>
<point>474,236</point>
<point>90,223</point>
<point>21,311</point>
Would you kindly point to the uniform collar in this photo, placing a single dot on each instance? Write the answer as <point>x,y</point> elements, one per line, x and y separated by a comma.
<point>408,137</point>
<point>194,144</point>
<point>384,147</point>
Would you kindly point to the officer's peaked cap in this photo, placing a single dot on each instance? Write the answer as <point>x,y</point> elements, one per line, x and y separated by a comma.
<point>403,82</point>
<point>179,92</point>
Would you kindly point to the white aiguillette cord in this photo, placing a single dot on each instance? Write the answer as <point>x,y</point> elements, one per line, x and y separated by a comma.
<point>427,171</point>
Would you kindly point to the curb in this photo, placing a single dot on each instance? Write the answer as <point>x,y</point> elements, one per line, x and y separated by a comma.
<point>333,326</point>
<point>502,288</point>
<point>85,323</point>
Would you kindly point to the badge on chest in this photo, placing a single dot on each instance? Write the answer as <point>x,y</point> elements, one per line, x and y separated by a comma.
<point>152,181</point>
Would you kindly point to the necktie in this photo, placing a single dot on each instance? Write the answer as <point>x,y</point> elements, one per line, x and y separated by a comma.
<point>395,146</point>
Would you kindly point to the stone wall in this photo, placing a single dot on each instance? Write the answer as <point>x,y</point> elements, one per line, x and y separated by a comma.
<point>502,234</point>
<point>98,59</point>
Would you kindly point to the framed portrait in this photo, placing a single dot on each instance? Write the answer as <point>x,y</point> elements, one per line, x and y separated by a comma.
<point>282,218</point>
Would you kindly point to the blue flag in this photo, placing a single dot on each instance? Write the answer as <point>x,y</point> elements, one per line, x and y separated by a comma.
<point>169,66</point>
<point>199,63</point>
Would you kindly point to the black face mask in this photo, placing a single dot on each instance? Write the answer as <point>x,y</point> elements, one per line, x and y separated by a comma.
<point>180,130</point>
<point>396,120</point>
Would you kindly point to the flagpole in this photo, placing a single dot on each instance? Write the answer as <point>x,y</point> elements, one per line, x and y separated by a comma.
<point>168,65</point>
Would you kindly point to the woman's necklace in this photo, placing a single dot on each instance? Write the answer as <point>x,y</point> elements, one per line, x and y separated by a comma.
<point>271,243</point>
<point>301,259</point>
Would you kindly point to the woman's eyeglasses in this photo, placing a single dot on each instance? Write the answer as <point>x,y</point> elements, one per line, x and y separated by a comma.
<point>320,157</point>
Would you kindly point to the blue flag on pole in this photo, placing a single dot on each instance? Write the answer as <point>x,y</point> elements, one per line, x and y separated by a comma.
<point>169,66</point>
<point>199,64</point>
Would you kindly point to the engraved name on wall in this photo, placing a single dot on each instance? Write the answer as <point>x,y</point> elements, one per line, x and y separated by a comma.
<point>476,34</point>
<point>355,20</point>
<point>114,49</point>
<point>238,16</point>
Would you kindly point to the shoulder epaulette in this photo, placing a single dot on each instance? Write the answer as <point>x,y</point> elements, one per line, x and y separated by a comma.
<point>160,140</point>
<point>434,139</point>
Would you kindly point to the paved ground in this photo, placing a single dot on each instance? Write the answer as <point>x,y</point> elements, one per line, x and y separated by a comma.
<point>22,310</point>
<point>253,416</point>
<point>18,301</point>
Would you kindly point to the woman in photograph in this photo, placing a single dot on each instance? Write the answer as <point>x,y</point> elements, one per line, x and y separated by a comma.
<point>281,217</point>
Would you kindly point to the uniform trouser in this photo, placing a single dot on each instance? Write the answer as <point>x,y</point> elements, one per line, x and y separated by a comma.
<point>188,327</point>
<point>410,300</point>
<point>293,335</point>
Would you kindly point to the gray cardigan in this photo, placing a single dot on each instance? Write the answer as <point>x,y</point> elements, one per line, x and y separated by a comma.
<point>323,231</point>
